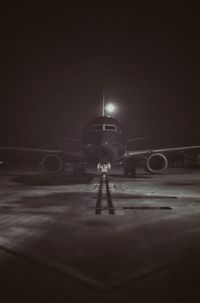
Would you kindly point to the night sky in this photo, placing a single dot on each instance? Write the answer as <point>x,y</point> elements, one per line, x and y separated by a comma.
<point>57,61</point>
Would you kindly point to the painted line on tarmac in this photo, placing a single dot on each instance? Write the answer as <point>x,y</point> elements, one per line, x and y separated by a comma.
<point>54,267</point>
<point>98,208</point>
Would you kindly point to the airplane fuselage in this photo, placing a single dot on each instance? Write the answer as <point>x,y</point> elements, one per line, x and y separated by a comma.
<point>104,141</point>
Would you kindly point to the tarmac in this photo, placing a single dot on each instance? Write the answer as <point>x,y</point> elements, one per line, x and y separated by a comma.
<point>54,248</point>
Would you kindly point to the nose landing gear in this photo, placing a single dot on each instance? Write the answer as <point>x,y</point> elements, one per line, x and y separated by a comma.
<point>103,168</point>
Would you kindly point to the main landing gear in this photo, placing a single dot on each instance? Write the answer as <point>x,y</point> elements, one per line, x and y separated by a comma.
<point>130,169</point>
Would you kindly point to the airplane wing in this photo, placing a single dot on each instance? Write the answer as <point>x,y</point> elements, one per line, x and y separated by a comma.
<point>14,148</point>
<point>37,153</point>
<point>154,160</point>
<point>137,139</point>
<point>52,160</point>
<point>162,150</point>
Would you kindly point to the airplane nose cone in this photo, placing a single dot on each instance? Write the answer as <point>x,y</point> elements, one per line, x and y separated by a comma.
<point>101,140</point>
<point>107,152</point>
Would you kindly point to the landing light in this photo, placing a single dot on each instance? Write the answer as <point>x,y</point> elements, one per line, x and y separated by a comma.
<point>110,108</point>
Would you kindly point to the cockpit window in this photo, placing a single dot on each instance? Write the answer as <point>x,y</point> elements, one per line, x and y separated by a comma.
<point>97,127</point>
<point>105,127</point>
<point>110,127</point>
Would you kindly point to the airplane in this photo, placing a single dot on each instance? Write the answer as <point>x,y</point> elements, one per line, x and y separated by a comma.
<point>103,141</point>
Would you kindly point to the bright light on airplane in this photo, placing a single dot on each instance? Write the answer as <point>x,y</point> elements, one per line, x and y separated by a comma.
<point>110,108</point>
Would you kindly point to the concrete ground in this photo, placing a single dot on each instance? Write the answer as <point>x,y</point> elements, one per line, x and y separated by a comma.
<point>54,248</point>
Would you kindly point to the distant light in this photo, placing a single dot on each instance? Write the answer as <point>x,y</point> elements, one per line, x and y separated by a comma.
<point>110,108</point>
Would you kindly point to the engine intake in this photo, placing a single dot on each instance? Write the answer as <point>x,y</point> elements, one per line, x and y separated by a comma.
<point>156,163</point>
<point>52,163</point>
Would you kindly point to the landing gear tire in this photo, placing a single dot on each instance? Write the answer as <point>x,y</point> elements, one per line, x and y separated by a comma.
<point>129,171</point>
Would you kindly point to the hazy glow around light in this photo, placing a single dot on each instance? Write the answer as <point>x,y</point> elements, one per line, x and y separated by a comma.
<point>110,108</point>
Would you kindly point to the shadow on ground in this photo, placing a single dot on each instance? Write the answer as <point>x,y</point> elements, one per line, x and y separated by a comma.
<point>138,176</point>
<point>58,179</point>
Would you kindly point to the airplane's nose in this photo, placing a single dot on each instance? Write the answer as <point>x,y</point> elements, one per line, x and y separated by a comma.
<point>103,140</point>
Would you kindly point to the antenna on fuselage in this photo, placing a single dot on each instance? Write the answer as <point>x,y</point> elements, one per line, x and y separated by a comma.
<point>103,105</point>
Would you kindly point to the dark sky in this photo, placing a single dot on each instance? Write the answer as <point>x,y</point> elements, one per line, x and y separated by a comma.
<point>57,61</point>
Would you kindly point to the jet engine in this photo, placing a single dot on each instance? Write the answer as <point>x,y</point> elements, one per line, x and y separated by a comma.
<point>52,164</point>
<point>156,163</point>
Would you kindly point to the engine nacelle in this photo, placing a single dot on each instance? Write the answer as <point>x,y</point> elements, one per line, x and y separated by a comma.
<point>156,163</point>
<point>52,164</point>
